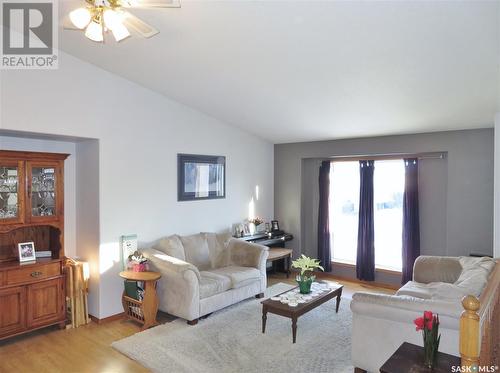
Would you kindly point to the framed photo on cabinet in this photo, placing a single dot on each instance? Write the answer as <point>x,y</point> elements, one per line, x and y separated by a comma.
<point>26,251</point>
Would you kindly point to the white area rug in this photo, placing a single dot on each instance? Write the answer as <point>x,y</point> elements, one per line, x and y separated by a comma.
<point>231,340</point>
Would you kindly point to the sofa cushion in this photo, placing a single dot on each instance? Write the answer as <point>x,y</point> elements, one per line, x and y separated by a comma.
<point>415,289</point>
<point>172,246</point>
<point>217,249</point>
<point>436,269</point>
<point>213,283</point>
<point>196,250</point>
<point>474,274</point>
<point>240,276</point>
<point>433,290</point>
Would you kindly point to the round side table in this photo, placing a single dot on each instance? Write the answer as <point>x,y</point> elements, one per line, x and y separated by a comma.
<point>142,311</point>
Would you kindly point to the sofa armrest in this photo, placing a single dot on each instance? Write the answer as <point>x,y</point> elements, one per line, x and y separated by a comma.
<point>163,262</point>
<point>247,254</point>
<point>179,286</point>
<point>436,269</point>
<point>405,308</point>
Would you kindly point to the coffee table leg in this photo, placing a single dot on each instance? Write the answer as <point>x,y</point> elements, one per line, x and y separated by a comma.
<point>294,329</point>
<point>338,303</point>
<point>264,319</point>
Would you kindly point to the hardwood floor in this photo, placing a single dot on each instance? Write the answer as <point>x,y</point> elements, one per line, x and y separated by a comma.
<point>87,349</point>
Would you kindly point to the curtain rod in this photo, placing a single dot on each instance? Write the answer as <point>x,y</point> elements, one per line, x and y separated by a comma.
<point>428,155</point>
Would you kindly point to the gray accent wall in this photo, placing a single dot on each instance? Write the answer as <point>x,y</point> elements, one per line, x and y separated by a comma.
<point>456,193</point>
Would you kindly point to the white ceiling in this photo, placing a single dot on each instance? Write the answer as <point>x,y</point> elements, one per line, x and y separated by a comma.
<point>310,70</point>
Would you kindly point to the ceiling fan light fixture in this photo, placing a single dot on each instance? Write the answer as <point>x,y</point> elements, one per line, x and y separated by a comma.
<point>113,20</point>
<point>80,17</point>
<point>100,16</point>
<point>94,32</point>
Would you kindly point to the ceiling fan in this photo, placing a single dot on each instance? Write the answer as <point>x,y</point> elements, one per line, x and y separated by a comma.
<point>100,16</point>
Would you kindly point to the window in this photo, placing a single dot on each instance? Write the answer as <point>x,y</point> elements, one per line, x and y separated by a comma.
<point>388,188</point>
<point>344,209</point>
<point>389,179</point>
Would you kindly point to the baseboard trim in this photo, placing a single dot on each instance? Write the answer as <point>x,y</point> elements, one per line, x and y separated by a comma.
<point>355,280</point>
<point>377,269</point>
<point>320,274</point>
<point>118,316</point>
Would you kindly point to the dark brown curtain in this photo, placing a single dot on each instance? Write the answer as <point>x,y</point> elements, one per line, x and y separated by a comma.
<point>365,258</point>
<point>411,225</point>
<point>323,219</point>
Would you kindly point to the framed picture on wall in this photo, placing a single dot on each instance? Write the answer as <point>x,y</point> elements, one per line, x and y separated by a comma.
<point>200,177</point>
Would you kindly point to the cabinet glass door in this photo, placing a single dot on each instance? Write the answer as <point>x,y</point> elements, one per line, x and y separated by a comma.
<point>11,176</point>
<point>43,191</point>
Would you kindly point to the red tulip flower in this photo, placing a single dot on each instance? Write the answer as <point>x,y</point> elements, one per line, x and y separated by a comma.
<point>419,323</point>
<point>428,324</point>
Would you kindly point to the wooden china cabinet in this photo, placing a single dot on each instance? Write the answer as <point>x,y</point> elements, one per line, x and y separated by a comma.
<point>32,294</point>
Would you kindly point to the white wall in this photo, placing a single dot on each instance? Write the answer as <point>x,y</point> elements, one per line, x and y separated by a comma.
<point>87,213</point>
<point>140,133</point>
<point>496,197</point>
<point>11,142</point>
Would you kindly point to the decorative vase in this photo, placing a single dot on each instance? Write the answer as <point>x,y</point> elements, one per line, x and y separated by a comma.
<point>305,283</point>
<point>139,267</point>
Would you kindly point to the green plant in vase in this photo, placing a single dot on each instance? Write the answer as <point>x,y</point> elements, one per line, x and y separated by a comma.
<point>305,278</point>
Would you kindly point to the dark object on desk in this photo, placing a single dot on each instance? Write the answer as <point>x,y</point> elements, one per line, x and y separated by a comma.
<point>410,358</point>
<point>273,234</point>
<point>275,225</point>
<point>268,239</point>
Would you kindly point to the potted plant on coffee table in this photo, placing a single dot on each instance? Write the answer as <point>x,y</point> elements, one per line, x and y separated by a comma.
<point>305,278</point>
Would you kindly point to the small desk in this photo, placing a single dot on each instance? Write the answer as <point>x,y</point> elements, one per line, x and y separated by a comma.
<point>279,253</point>
<point>275,241</point>
<point>143,311</point>
<point>410,358</point>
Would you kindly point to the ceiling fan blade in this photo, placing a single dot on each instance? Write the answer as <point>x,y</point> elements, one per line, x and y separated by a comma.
<point>151,3</point>
<point>139,25</point>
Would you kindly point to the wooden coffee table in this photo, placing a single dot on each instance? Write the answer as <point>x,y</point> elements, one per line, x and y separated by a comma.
<point>293,313</point>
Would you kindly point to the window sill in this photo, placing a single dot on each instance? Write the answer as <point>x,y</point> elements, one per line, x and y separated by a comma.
<point>377,269</point>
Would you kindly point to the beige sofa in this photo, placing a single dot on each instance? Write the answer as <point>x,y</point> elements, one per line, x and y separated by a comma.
<point>205,272</point>
<point>382,322</point>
